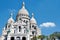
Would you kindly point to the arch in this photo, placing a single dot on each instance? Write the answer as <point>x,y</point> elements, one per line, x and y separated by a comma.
<point>33,32</point>
<point>19,28</point>
<point>23,38</point>
<point>12,38</point>
<point>18,38</point>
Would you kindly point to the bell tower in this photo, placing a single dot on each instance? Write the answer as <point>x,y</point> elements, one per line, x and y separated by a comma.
<point>33,26</point>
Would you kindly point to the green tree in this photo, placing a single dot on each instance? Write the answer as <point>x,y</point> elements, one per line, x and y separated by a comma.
<point>34,38</point>
<point>41,37</point>
<point>54,35</point>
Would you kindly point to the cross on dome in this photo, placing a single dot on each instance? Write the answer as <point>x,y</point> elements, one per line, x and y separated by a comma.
<point>32,15</point>
<point>23,5</point>
<point>11,11</point>
<point>11,14</point>
<point>4,28</point>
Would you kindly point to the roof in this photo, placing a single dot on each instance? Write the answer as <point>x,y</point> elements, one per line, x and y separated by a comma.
<point>33,19</point>
<point>23,10</point>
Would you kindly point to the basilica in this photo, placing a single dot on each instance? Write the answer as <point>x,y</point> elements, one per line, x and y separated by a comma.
<point>23,28</point>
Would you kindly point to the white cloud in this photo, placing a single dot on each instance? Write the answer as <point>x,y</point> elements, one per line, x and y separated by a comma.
<point>48,24</point>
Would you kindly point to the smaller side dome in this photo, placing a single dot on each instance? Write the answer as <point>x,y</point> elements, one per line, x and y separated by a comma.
<point>33,19</point>
<point>11,20</point>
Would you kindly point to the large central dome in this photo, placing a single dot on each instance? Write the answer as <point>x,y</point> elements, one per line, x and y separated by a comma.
<point>23,10</point>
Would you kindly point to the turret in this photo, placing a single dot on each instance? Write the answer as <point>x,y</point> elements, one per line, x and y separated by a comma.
<point>33,25</point>
<point>10,21</point>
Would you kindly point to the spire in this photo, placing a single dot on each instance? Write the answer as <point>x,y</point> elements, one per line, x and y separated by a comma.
<point>4,28</point>
<point>23,5</point>
<point>11,15</point>
<point>32,15</point>
<point>11,20</point>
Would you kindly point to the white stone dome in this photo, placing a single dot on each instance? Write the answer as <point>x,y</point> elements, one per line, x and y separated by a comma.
<point>23,10</point>
<point>11,20</point>
<point>33,19</point>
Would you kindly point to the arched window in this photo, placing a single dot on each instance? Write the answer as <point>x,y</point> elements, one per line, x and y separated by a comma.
<point>5,37</point>
<point>35,27</point>
<point>33,32</point>
<point>19,28</point>
<point>19,18</point>
<point>24,29</point>
<point>26,22</point>
<point>12,38</point>
<point>23,38</point>
<point>18,38</point>
<point>9,25</point>
<point>32,25</point>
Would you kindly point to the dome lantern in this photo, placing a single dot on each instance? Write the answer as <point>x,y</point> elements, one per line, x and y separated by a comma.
<point>23,5</point>
<point>32,15</point>
<point>11,20</point>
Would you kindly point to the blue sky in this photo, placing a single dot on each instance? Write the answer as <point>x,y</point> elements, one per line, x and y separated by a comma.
<point>44,11</point>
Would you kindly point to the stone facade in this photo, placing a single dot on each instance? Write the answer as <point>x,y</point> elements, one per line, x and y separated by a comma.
<point>23,28</point>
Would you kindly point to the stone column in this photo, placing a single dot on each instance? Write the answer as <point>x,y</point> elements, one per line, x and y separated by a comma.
<point>20,38</point>
<point>8,37</point>
<point>15,37</point>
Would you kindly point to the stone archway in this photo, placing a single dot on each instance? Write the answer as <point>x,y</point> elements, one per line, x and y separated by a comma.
<point>18,38</point>
<point>23,38</point>
<point>12,38</point>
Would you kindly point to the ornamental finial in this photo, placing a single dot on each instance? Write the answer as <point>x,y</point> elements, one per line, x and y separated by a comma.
<point>23,5</point>
<point>32,14</point>
<point>11,14</point>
